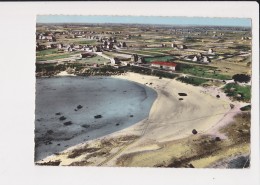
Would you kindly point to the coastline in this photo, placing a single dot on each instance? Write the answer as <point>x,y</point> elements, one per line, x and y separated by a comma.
<point>66,108</point>
<point>170,119</point>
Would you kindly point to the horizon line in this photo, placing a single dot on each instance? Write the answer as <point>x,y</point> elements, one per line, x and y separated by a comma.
<point>149,20</point>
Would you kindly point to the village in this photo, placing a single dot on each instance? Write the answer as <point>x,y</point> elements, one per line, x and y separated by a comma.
<point>172,50</point>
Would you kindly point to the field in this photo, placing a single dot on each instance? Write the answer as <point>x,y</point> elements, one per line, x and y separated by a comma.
<point>52,54</point>
<point>238,92</point>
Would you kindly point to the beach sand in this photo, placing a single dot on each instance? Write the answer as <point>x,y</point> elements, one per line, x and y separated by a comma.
<point>170,119</point>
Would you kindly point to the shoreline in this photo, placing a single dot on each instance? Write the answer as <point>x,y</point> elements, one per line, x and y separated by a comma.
<point>120,103</point>
<point>169,119</point>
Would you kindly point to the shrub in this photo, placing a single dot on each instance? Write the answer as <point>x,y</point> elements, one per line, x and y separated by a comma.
<point>241,78</point>
<point>246,108</point>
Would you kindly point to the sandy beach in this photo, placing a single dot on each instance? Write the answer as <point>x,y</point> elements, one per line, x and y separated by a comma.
<point>172,118</point>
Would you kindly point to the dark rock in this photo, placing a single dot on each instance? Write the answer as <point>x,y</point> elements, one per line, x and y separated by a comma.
<point>160,77</point>
<point>131,116</point>
<point>182,94</point>
<point>180,98</point>
<point>58,144</point>
<point>239,162</point>
<point>49,131</point>
<point>117,124</point>
<point>217,139</point>
<point>62,118</point>
<point>240,130</point>
<point>85,126</point>
<point>151,83</point>
<point>231,105</point>
<point>98,116</point>
<point>190,166</point>
<point>194,131</point>
<point>218,96</point>
<point>67,123</point>
<point>50,163</point>
<point>47,142</point>
<point>75,109</point>
<point>79,106</point>
<point>58,113</point>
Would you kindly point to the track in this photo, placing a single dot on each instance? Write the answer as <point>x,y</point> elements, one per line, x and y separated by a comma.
<point>130,142</point>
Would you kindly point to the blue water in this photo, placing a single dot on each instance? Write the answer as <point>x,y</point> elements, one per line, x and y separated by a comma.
<point>121,103</point>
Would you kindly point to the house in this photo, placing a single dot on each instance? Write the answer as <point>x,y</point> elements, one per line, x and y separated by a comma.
<point>134,58</point>
<point>95,65</point>
<point>53,45</point>
<point>173,45</point>
<point>48,46</point>
<point>69,49</point>
<point>210,51</point>
<point>140,60</point>
<point>59,46</point>
<point>110,46</point>
<point>115,61</point>
<point>195,59</point>
<point>78,46</point>
<point>124,44</point>
<point>164,65</point>
<point>199,55</point>
<point>96,49</point>
<point>183,47</point>
<point>206,59</point>
<point>125,63</point>
<point>105,43</point>
<point>120,44</point>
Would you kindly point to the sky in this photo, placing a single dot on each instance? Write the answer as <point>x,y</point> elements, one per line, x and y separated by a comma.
<point>200,21</point>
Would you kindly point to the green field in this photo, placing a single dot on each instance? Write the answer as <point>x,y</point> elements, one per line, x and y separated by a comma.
<point>158,58</point>
<point>56,56</point>
<point>201,71</point>
<point>46,52</point>
<point>246,108</point>
<point>85,42</point>
<point>234,90</point>
<point>94,60</point>
<point>192,80</point>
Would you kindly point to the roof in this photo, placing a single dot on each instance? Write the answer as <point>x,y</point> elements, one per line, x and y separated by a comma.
<point>164,63</point>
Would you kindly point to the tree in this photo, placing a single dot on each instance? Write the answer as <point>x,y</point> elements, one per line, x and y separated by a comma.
<point>241,78</point>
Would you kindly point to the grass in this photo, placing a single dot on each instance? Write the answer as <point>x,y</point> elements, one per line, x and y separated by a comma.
<point>58,56</point>
<point>83,42</point>
<point>234,90</point>
<point>202,71</point>
<point>246,108</point>
<point>160,58</point>
<point>192,80</point>
<point>159,49</point>
<point>46,52</point>
<point>94,60</point>
<point>139,52</point>
<point>49,67</point>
